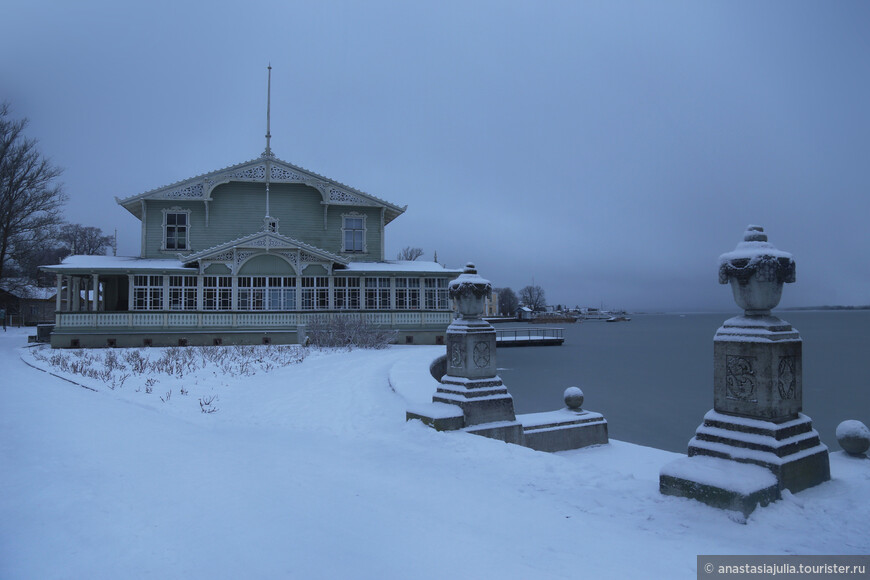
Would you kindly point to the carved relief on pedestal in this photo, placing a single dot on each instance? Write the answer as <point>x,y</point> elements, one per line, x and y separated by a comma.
<point>456,356</point>
<point>740,378</point>
<point>786,378</point>
<point>481,355</point>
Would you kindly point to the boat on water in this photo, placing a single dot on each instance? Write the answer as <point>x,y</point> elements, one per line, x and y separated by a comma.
<point>618,319</point>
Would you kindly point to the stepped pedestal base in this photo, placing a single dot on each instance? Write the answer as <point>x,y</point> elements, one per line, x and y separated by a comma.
<point>720,483</point>
<point>727,452</point>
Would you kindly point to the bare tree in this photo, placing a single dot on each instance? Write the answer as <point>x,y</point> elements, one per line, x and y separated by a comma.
<point>533,297</point>
<point>30,197</point>
<point>84,240</point>
<point>409,253</point>
<point>507,301</point>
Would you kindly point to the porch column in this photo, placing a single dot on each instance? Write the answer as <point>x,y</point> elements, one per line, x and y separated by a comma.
<point>199,292</point>
<point>331,293</point>
<point>298,291</point>
<point>57,297</point>
<point>130,303</point>
<point>95,301</point>
<point>76,294</point>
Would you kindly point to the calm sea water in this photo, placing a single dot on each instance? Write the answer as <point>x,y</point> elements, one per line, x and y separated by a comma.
<point>652,378</point>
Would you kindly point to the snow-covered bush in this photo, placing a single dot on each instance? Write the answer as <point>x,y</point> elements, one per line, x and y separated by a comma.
<point>114,366</point>
<point>348,332</point>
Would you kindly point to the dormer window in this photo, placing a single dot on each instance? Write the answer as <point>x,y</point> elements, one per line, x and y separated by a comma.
<point>176,223</point>
<point>354,233</point>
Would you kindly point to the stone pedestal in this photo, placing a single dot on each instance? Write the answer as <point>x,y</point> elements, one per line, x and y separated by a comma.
<point>472,397</point>
<point>757,368</point>
<point>756,418</point>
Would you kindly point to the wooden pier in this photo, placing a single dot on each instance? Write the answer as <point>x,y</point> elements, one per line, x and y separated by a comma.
<point>529,337</point>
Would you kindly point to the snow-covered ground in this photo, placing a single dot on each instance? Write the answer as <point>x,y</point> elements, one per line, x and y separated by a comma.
<point>310,471</point>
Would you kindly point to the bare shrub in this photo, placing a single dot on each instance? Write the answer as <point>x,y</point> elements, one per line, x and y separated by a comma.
<point>205,404</point>
<point>138,363</point>
<point>350,331</point>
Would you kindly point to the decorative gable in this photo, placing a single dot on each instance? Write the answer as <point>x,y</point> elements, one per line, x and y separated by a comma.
<point>256,170</point>
<point>235,253</point>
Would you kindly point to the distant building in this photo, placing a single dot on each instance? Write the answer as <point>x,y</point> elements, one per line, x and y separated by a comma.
<point>26,304</point>
<point>525,313</point>
<point>491,304</point>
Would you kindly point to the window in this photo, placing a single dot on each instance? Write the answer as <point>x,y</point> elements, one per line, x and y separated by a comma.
<point>315,293</point>
<point>182,293</point>
<point>252,293</point>
<point>354,233</point>
<point>408,293</point>
<point>267,293</point>
<point>282,293</point>
<point>436,294</point>
<point>217,293</point>
<point>175,225</point>
<point>347,293</point>
<point>377,293</point>
<point>147,292</point>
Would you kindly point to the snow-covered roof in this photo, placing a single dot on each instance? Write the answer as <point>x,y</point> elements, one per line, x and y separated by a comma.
<point>200,187</point>
<point>401,266</point>
<point>23,289</point>
<point>121,264</point>
<point>84,264</point>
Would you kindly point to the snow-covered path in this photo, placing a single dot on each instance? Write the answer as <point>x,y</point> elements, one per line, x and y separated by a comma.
<point>310,471</point>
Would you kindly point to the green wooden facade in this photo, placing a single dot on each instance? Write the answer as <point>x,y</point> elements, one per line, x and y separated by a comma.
<point>255,252</point>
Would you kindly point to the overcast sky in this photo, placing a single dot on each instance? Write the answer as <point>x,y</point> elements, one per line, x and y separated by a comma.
<point>607,151</point>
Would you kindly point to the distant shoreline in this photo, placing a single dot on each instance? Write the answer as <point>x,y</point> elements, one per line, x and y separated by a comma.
<point>864,307</point>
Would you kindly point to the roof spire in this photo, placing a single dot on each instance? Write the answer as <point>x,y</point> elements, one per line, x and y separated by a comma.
<point>268,151</point>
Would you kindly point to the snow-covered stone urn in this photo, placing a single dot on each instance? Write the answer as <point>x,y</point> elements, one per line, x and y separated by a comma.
<point>756,271</point>
<point>469,292</point>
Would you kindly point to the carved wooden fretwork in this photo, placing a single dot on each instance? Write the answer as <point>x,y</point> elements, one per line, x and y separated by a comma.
<point>253,173</point>
<point>283,174</point>
<point>290,257</point>
<point>341,196</point>
<point>193,191</point>
<point>224,257</point>
<point>241,257</point>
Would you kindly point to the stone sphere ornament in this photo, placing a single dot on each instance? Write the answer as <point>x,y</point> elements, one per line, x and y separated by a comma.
<point>853,436</point>
<point>756,271</point>
<point>574,398</point>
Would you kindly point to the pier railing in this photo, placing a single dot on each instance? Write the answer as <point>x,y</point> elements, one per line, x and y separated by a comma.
<point>529,336</point>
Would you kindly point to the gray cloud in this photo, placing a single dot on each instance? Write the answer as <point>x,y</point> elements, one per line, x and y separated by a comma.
<point>610,151</point>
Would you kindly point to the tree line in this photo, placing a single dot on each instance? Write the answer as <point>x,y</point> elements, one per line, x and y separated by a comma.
<point>532,297</point>
<point>32,231</point>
